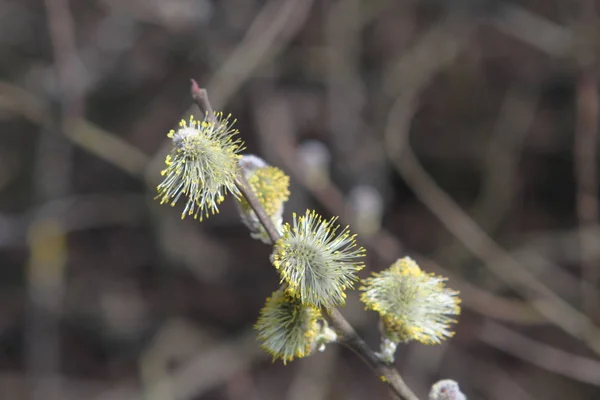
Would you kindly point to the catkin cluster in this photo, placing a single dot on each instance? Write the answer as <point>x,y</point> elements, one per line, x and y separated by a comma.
<point>316,259</point>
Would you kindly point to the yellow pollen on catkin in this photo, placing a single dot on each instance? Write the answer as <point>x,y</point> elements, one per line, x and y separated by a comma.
<point>412,304</point>
<point>202,165</point>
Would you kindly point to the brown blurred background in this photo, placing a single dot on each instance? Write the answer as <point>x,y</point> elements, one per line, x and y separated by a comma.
<point>462,133</point>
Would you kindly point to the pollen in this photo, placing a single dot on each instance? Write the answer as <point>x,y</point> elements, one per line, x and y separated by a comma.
<point>412,304</point>
<point>317,263</point>
<point>202,165</point>
<point>271,186</point>
<point>287,328</point>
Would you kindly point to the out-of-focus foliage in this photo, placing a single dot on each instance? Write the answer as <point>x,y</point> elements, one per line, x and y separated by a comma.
<point>140,303</point>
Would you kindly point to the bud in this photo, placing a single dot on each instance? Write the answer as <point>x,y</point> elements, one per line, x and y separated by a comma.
<point>271,187</point>
<point>446,389</point>
<point>314,158</point>
<point>325,336</point>
<point>366,205</point>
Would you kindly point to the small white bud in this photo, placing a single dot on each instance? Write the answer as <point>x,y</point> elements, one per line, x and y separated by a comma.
<point>446,389</point>
<point>314,158</point>
<point>366,205</point>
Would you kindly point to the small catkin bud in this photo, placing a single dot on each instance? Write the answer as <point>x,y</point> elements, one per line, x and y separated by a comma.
<point>271,187</point>
<point>366,205</point>
<point>287,328</point>
<point>317,262</point>
<point>314,158</point>
<point>412,304</point>
<point>202,166</point>
<point>387,350</point>
<point>446,389</point>
<point>325,336</point>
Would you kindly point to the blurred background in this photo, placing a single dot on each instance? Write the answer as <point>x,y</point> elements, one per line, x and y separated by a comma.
<point>462,133</point>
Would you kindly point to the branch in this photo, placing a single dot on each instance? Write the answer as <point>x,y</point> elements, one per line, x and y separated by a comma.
<point>587,180</point>
<point>584,154</point>
<point>349,337</point>
<point>262,215</point>
<point>200,96</point>
<point>534,352</point>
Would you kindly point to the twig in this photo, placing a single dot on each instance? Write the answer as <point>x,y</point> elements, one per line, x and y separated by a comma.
<point>79,130</point>
<point>499,168</point>
<point>387,373</point>
<point>571,365</point>
<point>489,377</point>
<point>67,64</point>
<point>200,96</point>
<point>346,92</point>
<point>586,141</point>
<point>204,372</point>
<point>45,287</point>
<point>46,270</point>
<point>348,335</point>
<point>272,29</point>
<point>262,215</point>
<point>585,157</point>
<point>533,29</point>
<point>109,147</point>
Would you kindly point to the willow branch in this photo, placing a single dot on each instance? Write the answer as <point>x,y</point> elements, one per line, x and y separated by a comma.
<point>587,182</point>
<point>348,336</point>
<point>200,96</point>
<point>260,212</point>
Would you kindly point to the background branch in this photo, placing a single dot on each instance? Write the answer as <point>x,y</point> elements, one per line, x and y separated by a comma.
<point>585,153</point>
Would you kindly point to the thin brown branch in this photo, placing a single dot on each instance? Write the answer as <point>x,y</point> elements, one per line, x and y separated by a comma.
<point>552,359</point>
<point>202,373</point>
<point>66,62</point>
<point>348,335</point>
<point>46,277</point>
<point>274,27</point>
<point>264,219</point>
<point>585,157</point>
<point>354,342</point>
<point>200,96</point>
<point>499,168</point>
<point>533,29</point>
